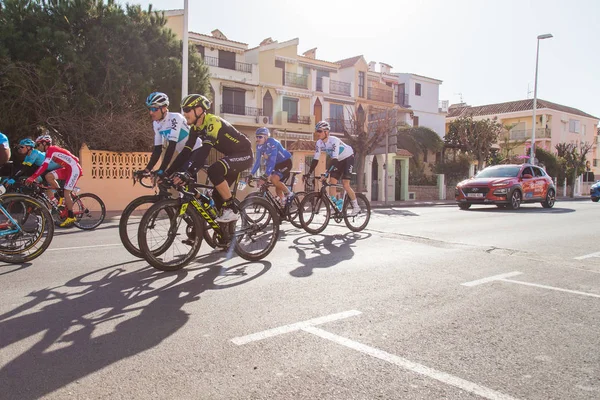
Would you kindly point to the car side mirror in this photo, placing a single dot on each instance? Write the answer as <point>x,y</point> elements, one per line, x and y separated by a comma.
<point>527,176</point>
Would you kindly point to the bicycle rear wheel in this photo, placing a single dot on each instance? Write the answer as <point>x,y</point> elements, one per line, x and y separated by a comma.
<point>29,230</point>
<point>294,209</point>
<point>255,238</point>
<point>163,235</point>
<point>361,220</point>
<point>89,211</point>
<point>130,222</point>
<point>314,213</point>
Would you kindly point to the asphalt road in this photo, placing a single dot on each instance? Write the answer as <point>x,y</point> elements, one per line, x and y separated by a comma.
<point>427,303</point>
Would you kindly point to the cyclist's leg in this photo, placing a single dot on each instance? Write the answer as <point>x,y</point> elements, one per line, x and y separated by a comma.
<point>280,175</point>
<point>72,176</point>
<point>222,174</point>
<point>51,178</point>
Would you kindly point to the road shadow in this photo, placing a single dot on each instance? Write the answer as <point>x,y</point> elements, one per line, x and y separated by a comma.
<point>522,210</point>
<point>58,231</point>
<point>9,267</point>
<point>98,319</point>
<point>324,251</point>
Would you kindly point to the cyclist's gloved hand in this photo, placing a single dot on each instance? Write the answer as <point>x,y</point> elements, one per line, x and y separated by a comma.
<point>10,182</point>
<point>306,177</point>
<point>263,179</point>
<point>29,180</point>
<point>181,178</point>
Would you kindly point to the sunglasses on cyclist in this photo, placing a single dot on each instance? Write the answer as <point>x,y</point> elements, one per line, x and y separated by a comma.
<point>153,109</point>
<point>187,109</point>
<point>21,147</point>
<point>260,137</point>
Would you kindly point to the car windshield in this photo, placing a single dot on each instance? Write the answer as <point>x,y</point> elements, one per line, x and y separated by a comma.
<point>499,172</point>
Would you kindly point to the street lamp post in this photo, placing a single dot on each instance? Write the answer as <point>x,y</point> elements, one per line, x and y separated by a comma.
<point>184,55</point>
<point>537,53</point>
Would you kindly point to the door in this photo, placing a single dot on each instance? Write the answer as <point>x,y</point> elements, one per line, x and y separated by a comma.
<point>541,183</point>
<point>398,180</point>
<point>528,184</point>
<point>375,180</point>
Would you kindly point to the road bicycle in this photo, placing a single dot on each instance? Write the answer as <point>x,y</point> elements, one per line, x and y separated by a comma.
<point>317,208</point>
<point>171,231</point>
<point>26,228</point>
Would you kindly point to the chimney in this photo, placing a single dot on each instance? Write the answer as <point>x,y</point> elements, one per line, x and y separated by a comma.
<point>385,68</point>
<point>312,53</point>
<point>372,66</point>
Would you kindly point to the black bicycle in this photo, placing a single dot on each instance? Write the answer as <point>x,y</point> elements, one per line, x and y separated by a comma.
<point>316,210</point>
<point>171,231</point>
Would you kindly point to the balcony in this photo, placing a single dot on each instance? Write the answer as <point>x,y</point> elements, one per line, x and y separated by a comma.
<point>524,134</point>
<point>298,119</point>
<point>402,99</point>
<point>296,80</point>
<point>337,87</point>
<point>240,110</point>
<point>339,125</point>
<point>382,95</point>
<point>227,64</point>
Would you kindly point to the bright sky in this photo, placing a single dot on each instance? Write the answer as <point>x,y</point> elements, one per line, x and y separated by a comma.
<point>484,49</point>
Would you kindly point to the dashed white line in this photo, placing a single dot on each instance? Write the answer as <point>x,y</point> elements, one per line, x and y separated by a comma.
<point>588,256</point>
<point>552,288</point>
<point>293,327</point>
<point>443,377</point>
<point>85,247</point>
<point>491,278</point>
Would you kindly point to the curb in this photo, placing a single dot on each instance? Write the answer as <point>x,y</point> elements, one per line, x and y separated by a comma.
<point>451,203</point>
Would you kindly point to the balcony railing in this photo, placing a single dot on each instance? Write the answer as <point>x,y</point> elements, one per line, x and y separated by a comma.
<point>228,64</point>
<point>298,119</point>
<point>240,110</point>
<point>339,125</point>
<point>296,80</point>
<point>337,87</point>
<point>401,99</point>
<point>524,134</point>
<point>386,96</point>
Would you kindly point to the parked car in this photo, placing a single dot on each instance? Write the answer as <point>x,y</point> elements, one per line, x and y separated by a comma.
<point>595,191</point>
<point>507,186</point>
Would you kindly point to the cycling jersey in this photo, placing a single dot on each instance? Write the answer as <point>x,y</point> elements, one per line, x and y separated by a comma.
<point>172,128</point>
<point>214,132</point>
<point>60,156</point>
<point>37,158</point>
<point>334,148</point>
<point>4,141</point>
<point>274,152</point>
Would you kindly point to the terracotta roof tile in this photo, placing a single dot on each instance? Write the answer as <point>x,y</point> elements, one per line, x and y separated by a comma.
<point>348,62</point>
<point>511,107</point>
<point>403,152</point>
<point>302,145</point>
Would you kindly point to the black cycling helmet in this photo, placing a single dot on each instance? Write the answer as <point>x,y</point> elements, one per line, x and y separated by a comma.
<point>195,100</point>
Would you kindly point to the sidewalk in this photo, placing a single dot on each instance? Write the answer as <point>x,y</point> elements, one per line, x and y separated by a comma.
<point>431,203</point>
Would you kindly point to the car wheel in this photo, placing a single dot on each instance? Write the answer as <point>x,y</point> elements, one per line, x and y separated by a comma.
<point>464,206</point>
<point>515,200</point>
<point>550,199</point>
<point>595,199</point>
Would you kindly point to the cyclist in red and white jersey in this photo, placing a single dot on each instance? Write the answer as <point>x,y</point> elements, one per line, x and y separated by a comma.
<point>70,171</point>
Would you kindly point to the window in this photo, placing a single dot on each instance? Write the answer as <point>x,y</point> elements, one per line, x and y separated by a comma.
<point>538,172</point>
<point>336,114</point>
<point>400,94</point>
<point>527,171</point>
<point>361,84</point>
<point>234,101</point>
<point>268,104</point>
<point>574,125</point>
<point>291,106</point>
<point>417,89</point>
<point>200,50</point>
<point>226,59</point>
<point>415,121</point>
<point>320,75</point>
<point>281,64</point>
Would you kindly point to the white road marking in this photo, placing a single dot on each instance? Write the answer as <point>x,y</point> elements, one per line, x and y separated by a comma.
<point>492,278</point>
<point>293,327</point>
<point>443,377</point>
<point>552,288</point>
<point>588,256</point>
<point>85,247</point>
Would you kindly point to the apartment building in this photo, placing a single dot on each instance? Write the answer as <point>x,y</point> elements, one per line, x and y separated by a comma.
<point>554,124</point>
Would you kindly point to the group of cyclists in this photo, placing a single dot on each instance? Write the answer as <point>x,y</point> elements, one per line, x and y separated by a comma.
<point>196,132</point>
<point>43,159</point>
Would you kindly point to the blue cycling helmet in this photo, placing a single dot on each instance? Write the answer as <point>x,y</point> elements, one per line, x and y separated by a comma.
<point>157,99</point>
<point>263,132</point>
<point>27,142</point>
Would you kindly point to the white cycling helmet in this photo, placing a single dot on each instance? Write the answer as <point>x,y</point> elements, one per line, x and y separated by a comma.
<point>323,125</point>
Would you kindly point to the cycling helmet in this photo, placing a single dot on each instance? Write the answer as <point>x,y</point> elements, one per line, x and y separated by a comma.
<point>27,142</point>
<point>263,132</point>
<point>157,99</point>
<point>323,125</point>
<point>195,100</point>
<point>44,139</point>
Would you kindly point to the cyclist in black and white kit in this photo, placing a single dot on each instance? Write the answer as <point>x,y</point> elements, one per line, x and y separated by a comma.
<point>220,134</point>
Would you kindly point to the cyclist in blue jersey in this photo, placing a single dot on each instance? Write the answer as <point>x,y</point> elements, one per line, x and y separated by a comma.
<point>278,163</point>
<point>4,149</point>
<point>169,127</point>
<point>33,159</point>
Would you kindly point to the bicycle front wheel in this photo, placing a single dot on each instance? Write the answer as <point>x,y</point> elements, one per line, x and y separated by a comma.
<point>26,228</point>
<point>314,213</point>
<point>294,209</point>
<point>130,222</point>
<point>360,221</point>
<point>255,238</point>
<point>166,239</point>
<point>89,211</point>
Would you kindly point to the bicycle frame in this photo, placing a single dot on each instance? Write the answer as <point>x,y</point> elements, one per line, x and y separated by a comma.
<point>325,194</point>
<point>5,232</point>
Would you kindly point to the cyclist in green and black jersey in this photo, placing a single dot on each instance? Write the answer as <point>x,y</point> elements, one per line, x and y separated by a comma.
<point>220,134</point>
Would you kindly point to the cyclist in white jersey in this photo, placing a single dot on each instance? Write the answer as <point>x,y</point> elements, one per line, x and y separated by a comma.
<point>169,127</point>
<point>342,157</point>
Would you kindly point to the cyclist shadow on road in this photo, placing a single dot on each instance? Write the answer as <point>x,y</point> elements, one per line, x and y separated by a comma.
<point>98,319</point>
<point>324,251</point>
